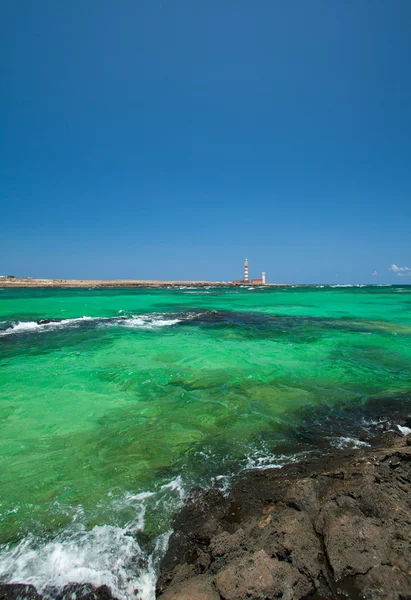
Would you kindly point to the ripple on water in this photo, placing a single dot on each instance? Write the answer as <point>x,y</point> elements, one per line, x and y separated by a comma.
<point>121,392</point>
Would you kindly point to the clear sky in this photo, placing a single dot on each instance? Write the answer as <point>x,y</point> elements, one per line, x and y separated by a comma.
<point>170,139</point>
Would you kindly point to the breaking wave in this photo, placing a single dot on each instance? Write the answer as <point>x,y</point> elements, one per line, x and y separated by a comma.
<point>151,321</point>
<point>112,555</point>
<point>105,555</point>
<point>348,285</point>
<point>42,325</point>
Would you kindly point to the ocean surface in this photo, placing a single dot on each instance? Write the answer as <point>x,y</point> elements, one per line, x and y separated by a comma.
<point>110,415</point>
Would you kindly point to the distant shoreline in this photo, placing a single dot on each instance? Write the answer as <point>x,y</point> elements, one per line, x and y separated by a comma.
<point>34,282</point>
<point>27,282</point>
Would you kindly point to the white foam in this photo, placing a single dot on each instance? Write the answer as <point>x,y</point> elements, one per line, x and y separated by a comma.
<point>141,496</point>
<point>149,322</point>
<point>263,462</point>
<point>348,285</point>
<point>152,321</point>
<point>176,485</point>
<point>147,580</point>
<point>404,430</point>
<point>262,459</point>
<point>21,327</point>
<point>27,326</point>
<point>103,556</point>
<point>349,442</point>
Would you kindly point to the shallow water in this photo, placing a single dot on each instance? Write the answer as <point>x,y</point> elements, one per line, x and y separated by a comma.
<point>111,414</point>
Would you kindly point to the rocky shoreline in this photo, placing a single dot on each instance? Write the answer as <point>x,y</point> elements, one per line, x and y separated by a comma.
<point>331,528</point>
<point>337,527</point>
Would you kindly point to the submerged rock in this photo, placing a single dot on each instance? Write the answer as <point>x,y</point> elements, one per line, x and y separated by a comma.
<point>47,321</point>
<point>335,528</point>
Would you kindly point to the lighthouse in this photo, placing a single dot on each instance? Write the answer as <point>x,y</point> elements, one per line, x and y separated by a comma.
<point>246,271</point>
<point>257,281</point>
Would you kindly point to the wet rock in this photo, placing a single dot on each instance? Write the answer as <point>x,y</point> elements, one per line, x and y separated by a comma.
<point>386,583</point>
<point>18,591</point>
<point>389,438</point>
<point>47,321</point>
<point>85,591</point>
<point>334,528</point>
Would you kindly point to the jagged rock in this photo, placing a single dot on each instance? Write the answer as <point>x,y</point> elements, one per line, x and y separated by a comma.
<point>385,583</point>
<point>18,591</point>
<point>78,591</point>
<point>353,544</point>
<point>336,527</point>
<point>258,577</point>
<point>197,588</point>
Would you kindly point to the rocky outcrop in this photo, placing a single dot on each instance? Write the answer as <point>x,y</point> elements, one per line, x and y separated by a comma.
<point>335,528</point>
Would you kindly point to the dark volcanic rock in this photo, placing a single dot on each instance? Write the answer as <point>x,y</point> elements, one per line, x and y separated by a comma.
<point>47,321</point>
<point>20,591</point>
<point>86,591</point>
<point>336,528</point>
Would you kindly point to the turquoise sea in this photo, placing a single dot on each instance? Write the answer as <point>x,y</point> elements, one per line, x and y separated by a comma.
<point>123,400</point>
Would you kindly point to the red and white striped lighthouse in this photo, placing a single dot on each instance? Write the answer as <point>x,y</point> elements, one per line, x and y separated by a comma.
<point>246,270</point>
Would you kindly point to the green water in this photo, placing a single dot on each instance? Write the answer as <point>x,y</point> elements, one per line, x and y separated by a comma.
<point>159,390</point>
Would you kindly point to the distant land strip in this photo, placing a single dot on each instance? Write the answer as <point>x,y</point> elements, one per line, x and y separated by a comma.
<point>28,282</point>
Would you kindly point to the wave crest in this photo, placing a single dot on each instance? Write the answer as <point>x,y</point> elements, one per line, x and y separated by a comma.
<point>149,321</point>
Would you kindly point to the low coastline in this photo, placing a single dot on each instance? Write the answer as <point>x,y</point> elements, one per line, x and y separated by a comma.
<point>332,527</point>
<point>28,282</point>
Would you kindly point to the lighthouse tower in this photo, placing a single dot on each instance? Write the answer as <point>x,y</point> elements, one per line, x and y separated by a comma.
<point>246,271</point>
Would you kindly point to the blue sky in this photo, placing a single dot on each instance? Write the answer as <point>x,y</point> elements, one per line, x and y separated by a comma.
<point>171,139</point>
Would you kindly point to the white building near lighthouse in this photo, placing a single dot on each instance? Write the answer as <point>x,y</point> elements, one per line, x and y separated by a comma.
<point>246,280</point>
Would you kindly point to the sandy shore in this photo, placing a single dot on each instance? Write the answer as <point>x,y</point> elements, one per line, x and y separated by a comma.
<point>28,282</point>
